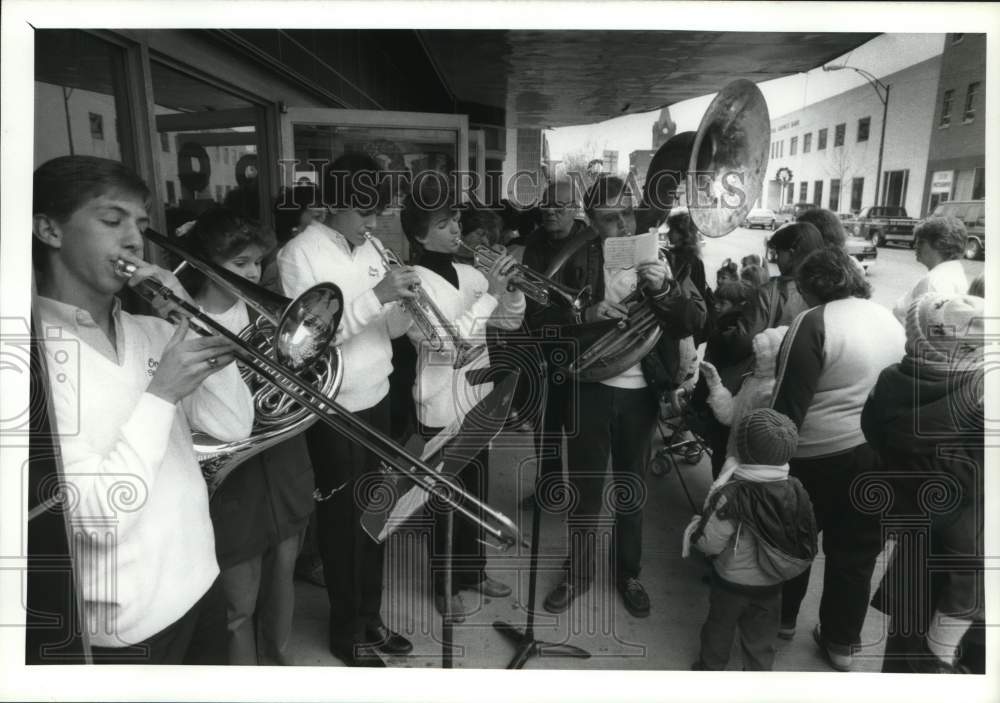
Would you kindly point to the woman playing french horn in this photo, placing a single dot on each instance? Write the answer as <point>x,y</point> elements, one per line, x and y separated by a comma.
<point>617,414</point>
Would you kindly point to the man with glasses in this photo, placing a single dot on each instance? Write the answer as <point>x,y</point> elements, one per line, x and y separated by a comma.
<point>559,207</point>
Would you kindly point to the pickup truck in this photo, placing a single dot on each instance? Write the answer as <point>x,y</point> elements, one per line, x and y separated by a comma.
<point>882,224</point>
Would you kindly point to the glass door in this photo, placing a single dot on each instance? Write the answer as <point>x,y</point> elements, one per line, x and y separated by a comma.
<point>477,163</point>
<point>406,142</point>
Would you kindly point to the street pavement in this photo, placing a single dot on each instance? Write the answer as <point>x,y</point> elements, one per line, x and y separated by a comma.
<point>598,622</point>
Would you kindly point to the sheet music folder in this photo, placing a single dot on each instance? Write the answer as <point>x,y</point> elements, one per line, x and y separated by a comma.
<point>448,452</point>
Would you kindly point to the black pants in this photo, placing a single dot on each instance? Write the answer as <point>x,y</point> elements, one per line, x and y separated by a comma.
<point>756,616</point>
<point>618,423</point>
<point>852,541</point>
<point>198,637</point>
<point>468,555</point>
<point>352,560</point>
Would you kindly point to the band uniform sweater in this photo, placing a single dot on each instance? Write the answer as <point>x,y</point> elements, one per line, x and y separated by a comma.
<point>829,361</point>
<point>442,394</point>
<point>143,545</point>
<point>320,254</point>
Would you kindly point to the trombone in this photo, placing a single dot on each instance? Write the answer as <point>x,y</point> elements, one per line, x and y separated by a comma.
<point>541,289</point>
<point>427,316</point>
<point>304,331</point>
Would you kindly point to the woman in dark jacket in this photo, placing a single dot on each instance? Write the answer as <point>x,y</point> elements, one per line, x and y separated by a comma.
<point>925,418</point>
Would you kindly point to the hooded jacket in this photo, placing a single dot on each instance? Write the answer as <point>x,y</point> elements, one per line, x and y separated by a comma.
<point>760,527</point>
<point>925,419</point>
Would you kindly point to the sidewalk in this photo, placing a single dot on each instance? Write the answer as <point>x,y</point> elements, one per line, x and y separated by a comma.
<point>597,621</point>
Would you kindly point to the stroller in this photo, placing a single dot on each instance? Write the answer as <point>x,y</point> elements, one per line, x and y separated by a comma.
<point>679,441</point>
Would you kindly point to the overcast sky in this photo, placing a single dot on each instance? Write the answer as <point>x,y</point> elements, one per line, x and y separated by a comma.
<point>881,56</point>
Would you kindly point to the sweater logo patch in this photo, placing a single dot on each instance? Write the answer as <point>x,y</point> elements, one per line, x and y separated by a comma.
<point>373,272</point>
<point>151,366</point>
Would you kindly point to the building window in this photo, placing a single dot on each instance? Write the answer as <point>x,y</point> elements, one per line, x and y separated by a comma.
<point>793,146</point>
<point>165,142</point>
<point>781,148</point>
<point>838,134</point>
<point>970,102</point>
<point>807,143</point>
<point>857,190</point>
<point>803,191</point>
<point>946,101</point>
<point>96,126</point>
<point>225,155</point>
<point>979,184</point>
<point>171,193</point>
<point>821,140</point>
<point>834,194</point>
<point>219,194</point>
<point>894,188</point>
<point>818,193</point>
<point>864,125</point>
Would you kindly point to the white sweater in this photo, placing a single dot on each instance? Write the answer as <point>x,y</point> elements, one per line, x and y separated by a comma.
<point>618,285</point>
<point>441,393</point>
<point>948,277</point>
<point>143,543</point>
<point>322,255</point>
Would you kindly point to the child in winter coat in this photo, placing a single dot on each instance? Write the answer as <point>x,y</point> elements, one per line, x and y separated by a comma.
<point>755,392</point>
<point>760,529</point>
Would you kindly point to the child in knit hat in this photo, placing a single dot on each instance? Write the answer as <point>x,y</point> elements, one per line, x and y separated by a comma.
<point>760,530</point>
<point>925,418</point>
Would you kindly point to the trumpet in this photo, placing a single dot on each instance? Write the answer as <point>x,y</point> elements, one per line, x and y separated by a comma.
<point>540,288</point>
<point>304,331</point>
<point>427,316</point>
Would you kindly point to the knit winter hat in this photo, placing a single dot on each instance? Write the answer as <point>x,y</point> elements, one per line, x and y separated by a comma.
<point>765,350</point>
<point>941,326</point>
<point>766,437</point>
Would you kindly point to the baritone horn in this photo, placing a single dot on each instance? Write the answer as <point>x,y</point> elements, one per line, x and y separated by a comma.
<point>305,330</point>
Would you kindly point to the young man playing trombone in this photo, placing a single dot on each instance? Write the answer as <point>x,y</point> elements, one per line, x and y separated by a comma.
<point>338,252</point>
<point>617,414</point>
<point>126,390</point>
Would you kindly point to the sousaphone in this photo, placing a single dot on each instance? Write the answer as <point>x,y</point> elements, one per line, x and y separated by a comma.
<point>718,174</point>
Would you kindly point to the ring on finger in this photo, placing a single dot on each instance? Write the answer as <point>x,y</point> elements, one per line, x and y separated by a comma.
<point>212,362</point>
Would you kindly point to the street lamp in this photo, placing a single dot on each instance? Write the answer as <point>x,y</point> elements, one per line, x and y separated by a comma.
<point>882,90</point>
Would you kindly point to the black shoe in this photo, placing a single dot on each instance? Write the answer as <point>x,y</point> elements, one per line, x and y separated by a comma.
<point>363,655</point>
<point>634,595</point>
<point>387,641</point>
<point>561,596</point>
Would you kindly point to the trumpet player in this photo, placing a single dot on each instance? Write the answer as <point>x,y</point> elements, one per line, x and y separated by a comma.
<point>337,251</point>
<point>470,301</point>
<point>617,415</point>
<point>125,389</point>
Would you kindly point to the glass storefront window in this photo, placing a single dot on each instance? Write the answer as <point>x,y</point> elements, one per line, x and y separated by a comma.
<point>209,149</point>
<point>79,96</point>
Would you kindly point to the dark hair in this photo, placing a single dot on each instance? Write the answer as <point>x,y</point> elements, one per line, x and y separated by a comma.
<point>945,235</point>
<point>828,224</point>
<point>738,292</point>
<point>474,216</point>
<point>605,191</point>
<point>800,238</point>
<point>754,274</point>
<point>688,247</point>
<point>288,209</point>
<point>219,234</point>
<point>63,185</point>
<point>430,192</point>
<point>354,181</point>
<point>510,216</point>
<point>829,274</point>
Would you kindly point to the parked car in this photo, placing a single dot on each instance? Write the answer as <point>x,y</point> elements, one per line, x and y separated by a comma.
<point>760,217</point>
<point>973,214</point>
<point>861,250</point>
<point>787,213</point>
<point>884,224</point>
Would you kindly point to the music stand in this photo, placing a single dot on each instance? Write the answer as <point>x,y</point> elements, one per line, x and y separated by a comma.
<point>527,645</point>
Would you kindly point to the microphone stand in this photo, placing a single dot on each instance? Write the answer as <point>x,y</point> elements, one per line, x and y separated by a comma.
<point>527,645</point>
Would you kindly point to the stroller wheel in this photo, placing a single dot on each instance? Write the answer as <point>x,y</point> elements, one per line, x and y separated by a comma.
<point>660,464</point>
